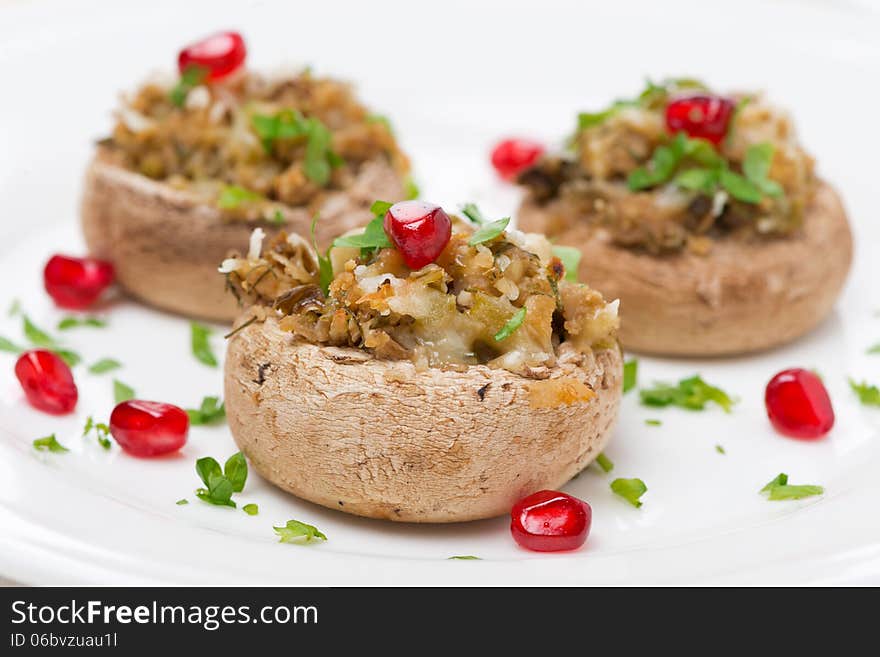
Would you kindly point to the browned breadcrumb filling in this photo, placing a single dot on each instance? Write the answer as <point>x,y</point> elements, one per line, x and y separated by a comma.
<point>448,314</point>
<point>210,142</point>
<point>590,185</point>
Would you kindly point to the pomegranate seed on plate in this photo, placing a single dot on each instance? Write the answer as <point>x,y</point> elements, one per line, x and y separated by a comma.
<point>701,116</point>
<point>420,231</point>
<point>219,54</point>
<point>47,381</point>
<point>147,428</point>
<point>798,404</point>
<point>549,521</point>
<point>76,283</point>
<point>512,156</point>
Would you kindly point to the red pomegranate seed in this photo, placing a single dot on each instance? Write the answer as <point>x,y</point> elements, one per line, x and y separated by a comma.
<point>146,428</point>
<point>549,521</point>
<point>220,54</point>
<point>512,156</point>
<point>47,381</point>
<point>76,283</point>
<point>704,117</point>
<point>798,404</point>
<point>419,230</point>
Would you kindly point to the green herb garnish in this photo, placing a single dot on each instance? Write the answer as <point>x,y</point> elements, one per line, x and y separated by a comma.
<point>211,411</point>
<point>654,423</point>
<point>692,393</point>
<point>70,357</point>
<point>75,322</point>
<point>182,501</point>
<point>251,509</point>
<point>298,532</point>
<point>512,324</point>
<point>875,349</point>
<point>49,444</point>
<point>234,196</point>
<point>374,236</point>
<point>571,258</point>
<point>201,347</point>
<point>630,490</point>
<point>11,347</point>
<point>868,394</point>
<point>489,231</point>
<point>472,213</point>
<point>630,374</point>
<point>464,557</point>
<point>36,335</point>
<point>40,338</point>
<point>102,432</point>
<point>779,489</point>
<point>104,365</point>
<point>289,124</point>
<point>720,449</point>
<point>221,484</point>
<point>122,392</point>
<point>604,462</point>
<point>14,308</point>
<point>191,77</point>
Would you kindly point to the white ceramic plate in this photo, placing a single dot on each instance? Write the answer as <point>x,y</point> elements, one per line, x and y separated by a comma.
<point>454,77</point>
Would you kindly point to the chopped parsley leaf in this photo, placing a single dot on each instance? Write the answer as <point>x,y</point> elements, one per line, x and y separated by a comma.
<point>182,501</point>
<point>201,347</point>
<point>190,78</point>
<point>571,258</point>
<point>630,374</point>
<point>104,365</point>
<point>76,322</point>
<point>49,444</point>
<point>36,335</point>
<point>211,411</point>
<point>14,308</point>
<point>512,324</point>
<point>630,490</point>
<point>288,124</point>
<point>868,394</point>
<point>251,509</point>
<point>779,489</point>
<point>8,345</point>
<point>122,392</point>
<point>653,423</point>
<point>604,462</point>
<point>473,214</point>
<point>692,393</point>
<point>720,449</point>
<point>298,532</point>
<point>464,557</point>
<point>102,432</point>
<point>875,349</point>
<point>234,196</point>
<point>489,231</point>
<point>374,236</point>
<point>221,484</point>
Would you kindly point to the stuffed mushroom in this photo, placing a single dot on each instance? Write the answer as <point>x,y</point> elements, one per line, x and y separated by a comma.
<point>702,213</point>
<point>424,370</point>
<point>192,167</point>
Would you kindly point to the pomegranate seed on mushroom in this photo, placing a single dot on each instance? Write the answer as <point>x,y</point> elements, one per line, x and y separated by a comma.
<point>220,54</point>
<point>420,231</point>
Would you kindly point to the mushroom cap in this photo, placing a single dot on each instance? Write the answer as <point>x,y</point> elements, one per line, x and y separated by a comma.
<point>380,438</point>
<point>743,296</point>
<point>166,243</point>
